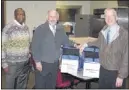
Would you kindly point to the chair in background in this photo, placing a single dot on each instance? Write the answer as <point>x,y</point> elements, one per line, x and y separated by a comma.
<point>60,84</point>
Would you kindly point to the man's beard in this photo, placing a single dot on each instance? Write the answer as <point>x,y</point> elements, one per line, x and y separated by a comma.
<point>52,22</point>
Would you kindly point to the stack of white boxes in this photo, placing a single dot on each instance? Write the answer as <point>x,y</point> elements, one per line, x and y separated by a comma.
<point>70,61</point>
<point>91,62</point>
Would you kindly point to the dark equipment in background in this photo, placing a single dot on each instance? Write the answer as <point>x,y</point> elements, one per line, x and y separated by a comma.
<point>90,25</point>
<point>96,24</point>
<point>121,12</point>
<point>123,3</point>
<point>123,17</point>
<point>82,26</point>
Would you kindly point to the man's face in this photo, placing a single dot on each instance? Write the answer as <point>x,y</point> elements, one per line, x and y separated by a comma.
<point>20,16</point>
<point>52,18</point>
<point>110,18</point>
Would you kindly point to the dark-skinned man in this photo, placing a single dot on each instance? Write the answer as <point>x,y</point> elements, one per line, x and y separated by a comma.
<point>15,50</point>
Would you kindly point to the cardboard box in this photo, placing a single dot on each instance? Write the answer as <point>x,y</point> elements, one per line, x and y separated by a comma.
<point>91,68</point>
<point>70,60</point>
<point>69,64</point>
<point>91,62</point>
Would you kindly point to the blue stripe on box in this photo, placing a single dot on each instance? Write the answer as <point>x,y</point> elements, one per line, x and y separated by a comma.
<point>96,50</point>
<point>70,57</point>
<point>89,49</point>
<point>81,62</point>
<point>96,60</point>
<point>88,60</point>
<point>68,47</point>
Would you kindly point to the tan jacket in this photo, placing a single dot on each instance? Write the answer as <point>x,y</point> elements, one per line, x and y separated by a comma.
<point>115,55</point>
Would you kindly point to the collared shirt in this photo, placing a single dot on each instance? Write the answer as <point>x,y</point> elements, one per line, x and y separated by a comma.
<point>114,32</point>
<point>19,23</point>
<point>52,29</point>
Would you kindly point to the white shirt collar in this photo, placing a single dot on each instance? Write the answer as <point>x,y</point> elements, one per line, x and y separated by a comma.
<point>113,27</point>
<point>114,32</point>
<point>19,23</point>
<point>51,28</point>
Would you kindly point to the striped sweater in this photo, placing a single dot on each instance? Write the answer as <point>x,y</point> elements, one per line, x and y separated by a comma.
<point>15,43</point>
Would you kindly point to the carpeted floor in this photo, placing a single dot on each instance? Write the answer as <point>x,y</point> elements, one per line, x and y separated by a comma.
<point>31,82</point>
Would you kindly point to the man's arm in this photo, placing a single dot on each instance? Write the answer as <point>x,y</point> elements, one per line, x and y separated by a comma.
<point>95,42</point>
<point>65,39</point>
<point>123,71</point>
<point>35,45</point>
<point>4,46</point>
<point>30,39</point>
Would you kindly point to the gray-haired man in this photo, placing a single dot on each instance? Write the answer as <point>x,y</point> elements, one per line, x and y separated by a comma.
<point>113,44</point>
<point>46,44</point>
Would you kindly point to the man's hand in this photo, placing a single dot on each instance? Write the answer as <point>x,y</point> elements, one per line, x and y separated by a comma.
<point>39,66</point>
<point>77,45</point>
<point>6,69</point>
<point>119,82</point>
<point>82,47</point>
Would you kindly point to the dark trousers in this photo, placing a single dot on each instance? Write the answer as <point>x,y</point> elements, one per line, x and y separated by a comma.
<point>46,79</point>
<point>17,76</point>
<point>67,77</point>
<point>107,79</point>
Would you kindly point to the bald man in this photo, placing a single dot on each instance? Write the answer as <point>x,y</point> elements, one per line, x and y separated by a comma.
<point>15,51</point>
<point>113,45</point>
<point>46,44</point>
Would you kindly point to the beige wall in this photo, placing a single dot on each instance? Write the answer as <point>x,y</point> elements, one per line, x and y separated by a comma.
<point>36,11</point>
<point>102,4</point>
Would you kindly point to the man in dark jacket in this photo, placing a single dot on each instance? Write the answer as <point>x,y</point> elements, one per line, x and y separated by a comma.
<point>46,44</point>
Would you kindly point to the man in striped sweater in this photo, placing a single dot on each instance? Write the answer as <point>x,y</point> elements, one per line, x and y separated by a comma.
<point>15,49</point>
